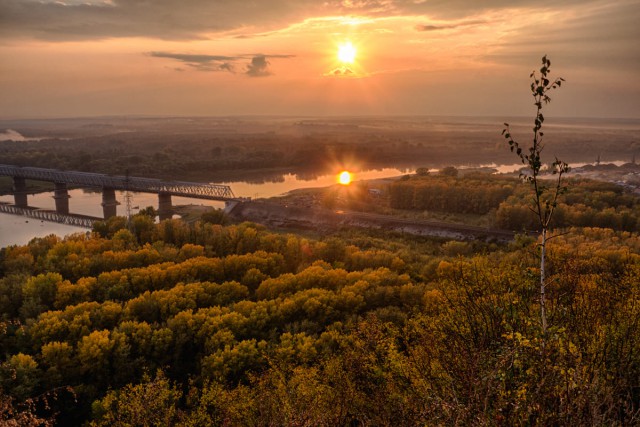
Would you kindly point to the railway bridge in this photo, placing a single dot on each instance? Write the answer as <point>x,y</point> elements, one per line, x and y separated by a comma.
<point>108,185</point>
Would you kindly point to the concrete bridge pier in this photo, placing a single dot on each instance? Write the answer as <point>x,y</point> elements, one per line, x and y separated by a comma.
<point>20,192</point>
<point>230,205</point>
<point>109,202</point>
<point>61,196</point>
<point>165,209</point>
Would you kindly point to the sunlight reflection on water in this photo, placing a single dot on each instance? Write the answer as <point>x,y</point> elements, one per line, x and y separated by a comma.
<point>19,230</point>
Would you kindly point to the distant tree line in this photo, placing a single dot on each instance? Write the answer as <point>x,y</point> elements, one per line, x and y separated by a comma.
<point>587,203</point>
<point>207,158</point>
<point>473,193</point>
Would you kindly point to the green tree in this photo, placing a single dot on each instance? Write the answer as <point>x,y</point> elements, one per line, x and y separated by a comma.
<point>58,359</point>
<point>149,211</point>
<point>39,294</point>
<point>449,171</point>
<point>20,375</point>
<point>151,403</point>
<point>422,171</point>
<point>215,216</point>
<point>545,198</point>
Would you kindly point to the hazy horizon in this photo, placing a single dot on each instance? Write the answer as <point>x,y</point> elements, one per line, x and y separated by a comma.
<point>500,118</point>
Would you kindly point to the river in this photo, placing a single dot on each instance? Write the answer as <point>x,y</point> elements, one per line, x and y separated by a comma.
<point>19,230</point>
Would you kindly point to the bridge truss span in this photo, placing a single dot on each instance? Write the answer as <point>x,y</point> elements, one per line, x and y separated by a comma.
<point>49,216</point>
<point>130,183</point>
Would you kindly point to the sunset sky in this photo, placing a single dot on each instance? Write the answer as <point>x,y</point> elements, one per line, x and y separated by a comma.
<point>234,57</point>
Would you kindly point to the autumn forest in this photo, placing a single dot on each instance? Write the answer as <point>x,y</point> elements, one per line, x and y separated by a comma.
<point>204,324</point>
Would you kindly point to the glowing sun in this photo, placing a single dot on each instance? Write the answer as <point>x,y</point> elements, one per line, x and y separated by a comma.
<point>347,53</point>
<point>344,178</point>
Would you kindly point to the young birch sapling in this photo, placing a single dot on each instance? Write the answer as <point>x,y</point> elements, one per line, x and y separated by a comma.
<point>544,196</point>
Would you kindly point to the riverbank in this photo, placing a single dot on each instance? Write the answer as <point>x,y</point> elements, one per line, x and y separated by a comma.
<point>326,220</point>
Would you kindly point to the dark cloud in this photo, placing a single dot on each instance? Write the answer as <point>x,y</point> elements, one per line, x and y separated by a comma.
<point>194,19</point>
<point>341,72</point>
<point>258,65</point>
<point>596,33</point>
<point>433,27</point>
<point>186,57</point>
<point>459,9</point>
<point>161,19</point>
<point>200,62</point>
<point>604,39</point>
<point>226,66</point>
<point>448,26</point>
<point>275,55</point>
